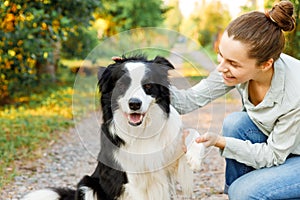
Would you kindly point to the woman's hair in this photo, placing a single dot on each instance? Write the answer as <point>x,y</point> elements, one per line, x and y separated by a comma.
<point>263,32</point>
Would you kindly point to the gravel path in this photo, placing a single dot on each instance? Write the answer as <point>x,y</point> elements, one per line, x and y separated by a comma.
<point>65,162</point>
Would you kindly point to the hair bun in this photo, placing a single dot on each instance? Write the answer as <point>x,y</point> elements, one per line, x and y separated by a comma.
<point>282,15</point>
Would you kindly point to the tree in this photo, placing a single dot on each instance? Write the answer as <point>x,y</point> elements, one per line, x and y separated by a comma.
<point>30,32</point>
<point>216,19</point>
<point>79,44</point>
<point>124,15</point>
<point>173,16</point>
<point>293,38</point>
<point>209,19</point>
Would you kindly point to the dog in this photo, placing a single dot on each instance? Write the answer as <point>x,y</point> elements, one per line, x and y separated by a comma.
<point>141,156</point>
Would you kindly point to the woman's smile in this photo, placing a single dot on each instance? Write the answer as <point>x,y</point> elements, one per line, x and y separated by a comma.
<point>228,78</point>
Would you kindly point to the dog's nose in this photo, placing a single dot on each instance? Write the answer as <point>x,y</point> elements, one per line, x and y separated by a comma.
<point>134,103</point>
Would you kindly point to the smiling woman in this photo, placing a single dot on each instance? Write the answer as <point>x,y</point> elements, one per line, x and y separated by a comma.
<point>264,139</point>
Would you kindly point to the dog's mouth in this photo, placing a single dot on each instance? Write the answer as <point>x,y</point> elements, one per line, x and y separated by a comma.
<point>135,119</point>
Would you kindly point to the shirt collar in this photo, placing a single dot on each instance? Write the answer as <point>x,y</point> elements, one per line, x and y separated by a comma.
<point>276,91</point>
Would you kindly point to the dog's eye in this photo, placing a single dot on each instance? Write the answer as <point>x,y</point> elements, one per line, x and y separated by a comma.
<point>147,87</point>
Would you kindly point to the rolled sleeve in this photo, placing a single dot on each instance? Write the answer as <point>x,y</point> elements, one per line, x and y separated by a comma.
<point>255,155</point>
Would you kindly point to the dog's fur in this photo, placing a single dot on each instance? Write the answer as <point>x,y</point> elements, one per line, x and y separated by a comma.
<point>141,154</point>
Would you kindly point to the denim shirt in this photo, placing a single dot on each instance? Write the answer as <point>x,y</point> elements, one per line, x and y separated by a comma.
<point>277,116</point>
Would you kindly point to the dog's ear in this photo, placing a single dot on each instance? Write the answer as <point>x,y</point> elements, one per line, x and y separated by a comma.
<point>162,61</point>
<point>100,72</point>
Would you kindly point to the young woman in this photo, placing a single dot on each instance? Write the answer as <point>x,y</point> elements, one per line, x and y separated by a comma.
<point>261,144</point>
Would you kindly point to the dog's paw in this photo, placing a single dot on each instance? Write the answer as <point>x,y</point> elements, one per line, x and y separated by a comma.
<point>194,155</point>
<point>195,151</point>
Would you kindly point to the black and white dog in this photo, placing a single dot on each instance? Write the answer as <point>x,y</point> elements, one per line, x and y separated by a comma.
<point>141,155</point>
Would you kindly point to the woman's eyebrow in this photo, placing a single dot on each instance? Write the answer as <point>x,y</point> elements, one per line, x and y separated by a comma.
<point>219,52</point>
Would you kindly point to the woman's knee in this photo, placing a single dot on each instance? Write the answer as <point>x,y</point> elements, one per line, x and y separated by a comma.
<point>246,188</point>
<point>235,122</point>
<point>241,192</point>
<point>259,184</point>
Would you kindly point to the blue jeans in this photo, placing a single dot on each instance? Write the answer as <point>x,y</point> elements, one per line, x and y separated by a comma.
<point>243,182</point>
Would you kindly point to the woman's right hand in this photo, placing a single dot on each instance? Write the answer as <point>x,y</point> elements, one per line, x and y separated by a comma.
<point>212,139</point>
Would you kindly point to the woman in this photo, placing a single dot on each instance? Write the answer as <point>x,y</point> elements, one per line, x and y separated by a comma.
<point>261,144</point>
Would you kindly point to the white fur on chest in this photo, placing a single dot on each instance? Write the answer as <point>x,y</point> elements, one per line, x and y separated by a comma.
<point>151,162</point>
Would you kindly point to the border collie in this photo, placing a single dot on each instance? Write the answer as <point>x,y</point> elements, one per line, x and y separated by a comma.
<point>141,155</point>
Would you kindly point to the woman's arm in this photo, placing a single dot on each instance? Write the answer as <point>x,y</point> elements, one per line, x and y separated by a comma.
<point>205,91</point>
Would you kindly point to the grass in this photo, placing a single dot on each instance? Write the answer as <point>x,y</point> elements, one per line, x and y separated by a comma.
<point>34,121</point>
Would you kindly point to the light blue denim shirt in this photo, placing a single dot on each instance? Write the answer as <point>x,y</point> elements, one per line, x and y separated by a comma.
<point>277,116</point>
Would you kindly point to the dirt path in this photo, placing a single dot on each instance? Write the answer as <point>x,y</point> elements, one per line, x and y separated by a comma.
<point>74,156</point>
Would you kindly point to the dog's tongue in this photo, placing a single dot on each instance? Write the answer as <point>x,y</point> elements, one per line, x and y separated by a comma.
<point>135,118</point>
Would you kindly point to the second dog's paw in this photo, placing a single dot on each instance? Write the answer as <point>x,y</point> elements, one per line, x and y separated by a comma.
<point>194,155</point>
<point>195,151</point>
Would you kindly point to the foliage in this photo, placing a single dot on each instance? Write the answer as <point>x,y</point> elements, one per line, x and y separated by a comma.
<point>150,41</point>
<point>29,31</point>
<point>217,18</point>
<point>79,44</point>
<point>26,128</point>
<point>125,15</point>
<point>249,6</point>
<point>293,38</point>
<point>35,120</point>
<point>173,16</point>
<point>207,21</point>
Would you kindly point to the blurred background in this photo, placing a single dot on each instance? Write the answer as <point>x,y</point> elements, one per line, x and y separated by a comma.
<point>43,43</point>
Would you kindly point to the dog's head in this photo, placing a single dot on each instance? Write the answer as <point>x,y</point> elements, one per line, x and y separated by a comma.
<point>131,86</point>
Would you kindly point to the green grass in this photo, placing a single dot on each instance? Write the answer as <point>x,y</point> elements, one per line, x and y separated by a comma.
<point>34,121</point>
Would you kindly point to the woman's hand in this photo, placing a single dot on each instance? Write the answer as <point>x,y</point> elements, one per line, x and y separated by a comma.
<point>208,139</point>
<point>212,139</point>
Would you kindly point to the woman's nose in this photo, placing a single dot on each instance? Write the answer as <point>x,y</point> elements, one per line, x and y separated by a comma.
<point>222,67</point>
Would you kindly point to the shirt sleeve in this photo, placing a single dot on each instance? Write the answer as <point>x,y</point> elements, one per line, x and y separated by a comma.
<point>205,91</point>
<point>282,141</point>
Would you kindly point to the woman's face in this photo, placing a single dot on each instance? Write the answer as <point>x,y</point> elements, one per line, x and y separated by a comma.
<point>234,64</point>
